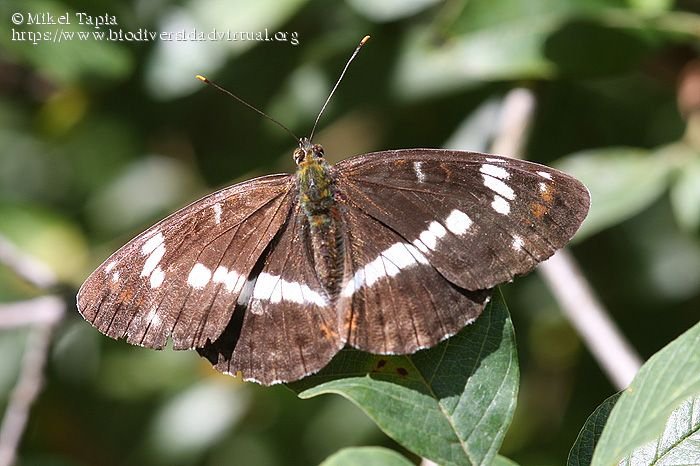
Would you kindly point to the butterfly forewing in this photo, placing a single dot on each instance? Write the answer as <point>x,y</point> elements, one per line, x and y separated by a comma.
<point>183,276</point>
<point>398,303</point>
<point>479,219</point>
<point>290,327</point>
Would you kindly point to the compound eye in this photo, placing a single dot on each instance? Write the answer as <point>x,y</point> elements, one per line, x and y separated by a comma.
<point>298,155</point>
<point>318,150</point>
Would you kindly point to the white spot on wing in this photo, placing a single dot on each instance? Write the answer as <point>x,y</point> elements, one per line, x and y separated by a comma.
<point>543,187</point>
<point>404,255</point>
<point>517,243</point>
<point>157,277</point>
<point>110,266</point>
<point>276,295</point>
<point>115,276</point>
<point>498,187</point>
<point>377,269</point>
<point>232,280</point>
<point>545,175</point>
<point>152,317</point>
<point>354,284</point>
<point>430,236</point>
<point>500,205</point>
<point>265,286</point>
<point>219,274</point>
<point>437,229</point>
<point>247,291</point>
<point>152,243</point>
<point>473,319</point>
<point>458,222</point>
<point>389,263</point>
<point>153,260</point>
<point>421,247</point>
<point>293,291</point>
<point>310,295</point>
<point>428,240</point>
<point>199,276</point>
<point>217,213</point>
<point>274,288</point>
<point>417,167</point>
<point>416,254</point>
<point>493,170</point>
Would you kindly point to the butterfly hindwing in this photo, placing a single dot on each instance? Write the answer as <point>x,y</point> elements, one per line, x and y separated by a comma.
<point>183,276</point>
<point>289,327</point>
<point>395,300</point>
<point>479,219</point>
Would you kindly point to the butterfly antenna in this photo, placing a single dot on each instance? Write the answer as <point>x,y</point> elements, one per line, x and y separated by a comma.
<point>352,57</point>
<point>206,80</point>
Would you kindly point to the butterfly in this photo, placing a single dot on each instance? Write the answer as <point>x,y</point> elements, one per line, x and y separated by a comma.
<point>388,252</point>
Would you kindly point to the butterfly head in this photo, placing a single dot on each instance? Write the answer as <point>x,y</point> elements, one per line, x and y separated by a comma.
<point>308,152</point>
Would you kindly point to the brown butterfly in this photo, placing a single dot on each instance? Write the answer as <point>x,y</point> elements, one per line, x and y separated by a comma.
<point>387,252</point>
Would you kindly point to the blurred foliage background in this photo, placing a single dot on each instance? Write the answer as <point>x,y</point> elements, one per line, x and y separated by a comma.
<point>99,139</point>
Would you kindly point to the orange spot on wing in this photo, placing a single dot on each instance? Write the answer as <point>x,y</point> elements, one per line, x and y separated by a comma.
<point>351,323</point>
<point>547,193</point>
<point>547,196</point>
<point>538,210</point>
<point>125,295</point>
<point>328,332</point>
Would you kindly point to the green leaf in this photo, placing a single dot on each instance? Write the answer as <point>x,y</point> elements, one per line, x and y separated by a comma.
<point>241,24</point>
<point>622,182</point>
<point>503,461</point>
<point>486,40</point>
<point>685,196</point>
<point>451,403</point>
<point>669,377</point>
<point>651,7</point>
<point>390,10</point>
<point>141,190</point>
<point>679,444</point>
<point>607,51</point>
<point>366,456</point>
<point>581,453</point>
<point>195,419</point>
<point>65,53</point>
<point>37,230</point>
<point>483,14</point>
<point>496,53</point>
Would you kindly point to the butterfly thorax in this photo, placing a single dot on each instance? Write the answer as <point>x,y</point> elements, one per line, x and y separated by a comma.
<point>316,189</point>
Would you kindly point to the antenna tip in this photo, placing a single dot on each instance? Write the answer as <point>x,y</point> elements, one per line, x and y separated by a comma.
<point>202,78</point>
<point>364,41</point>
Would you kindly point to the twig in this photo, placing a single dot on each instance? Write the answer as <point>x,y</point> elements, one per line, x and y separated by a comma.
<point>27,267</point>
<point>43,310</point>
<point>43,314</point>
<point>516,114</point>
<point>578,302</point>
<point>25,392</point>
<point>569,287</point>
